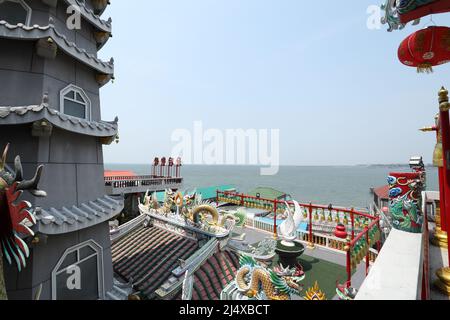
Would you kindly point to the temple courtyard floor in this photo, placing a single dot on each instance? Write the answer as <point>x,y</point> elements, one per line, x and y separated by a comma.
<point>325,266</point>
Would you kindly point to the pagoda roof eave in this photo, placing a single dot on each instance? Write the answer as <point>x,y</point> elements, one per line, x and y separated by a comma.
<point>22,32</point>
<point>30,114</point>
<point>90,16</point>
<point>73,218</point>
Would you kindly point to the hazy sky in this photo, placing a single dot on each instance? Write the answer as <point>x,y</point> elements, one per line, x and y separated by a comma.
<point>334,88</point>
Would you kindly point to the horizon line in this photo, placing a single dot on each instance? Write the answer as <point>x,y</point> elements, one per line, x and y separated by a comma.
<point>282,165</point>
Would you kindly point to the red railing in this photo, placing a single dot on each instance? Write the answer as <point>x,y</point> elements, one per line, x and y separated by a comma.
<point>365,235</point>
<point>278,206</point>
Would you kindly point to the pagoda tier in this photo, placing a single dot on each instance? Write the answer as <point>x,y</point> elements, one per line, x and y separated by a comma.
<point>96,6</point>
<point>90,11</point>
<point>50,115</point>
<point>49,40</point>
<point>99,29</point>
<point>43,119</point>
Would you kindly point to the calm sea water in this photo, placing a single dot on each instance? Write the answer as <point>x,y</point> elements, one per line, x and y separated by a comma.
<point>340,186</point>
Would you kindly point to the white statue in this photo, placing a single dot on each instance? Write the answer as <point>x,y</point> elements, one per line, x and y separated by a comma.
<point>289,226</point>
<point>298,217</point>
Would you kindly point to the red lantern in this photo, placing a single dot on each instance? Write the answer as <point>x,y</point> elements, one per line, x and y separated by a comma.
<point>426,48</point>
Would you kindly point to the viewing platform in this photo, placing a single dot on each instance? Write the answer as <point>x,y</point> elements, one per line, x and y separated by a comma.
<point>355,234</point>
<point>164,175</point>
<point>117,185</point>
<point>407,265</point>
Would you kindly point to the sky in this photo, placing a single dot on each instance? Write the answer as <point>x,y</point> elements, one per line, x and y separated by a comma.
<point>334,88</point>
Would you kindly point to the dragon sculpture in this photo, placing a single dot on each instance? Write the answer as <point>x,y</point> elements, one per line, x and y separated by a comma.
<point>192,210</point>
<point>16,216</point>
<point>404,204</point>
<point>259,283</point>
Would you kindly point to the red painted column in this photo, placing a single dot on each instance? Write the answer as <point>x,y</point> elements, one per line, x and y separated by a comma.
<point>439,163</point>
<point>352,216</point>
<point>445,130</point>
<point>368,252</point>
<point>275,209</point>
<point>381,234</point>
<point>442,197</point>
<point>310,224</point>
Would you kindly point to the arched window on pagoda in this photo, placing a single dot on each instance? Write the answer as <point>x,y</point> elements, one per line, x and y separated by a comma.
<point>79,273</point>
<point>75,102</point>
<point>15,12</point>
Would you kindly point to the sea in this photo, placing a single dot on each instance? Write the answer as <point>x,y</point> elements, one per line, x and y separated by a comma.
<point>347,186</point>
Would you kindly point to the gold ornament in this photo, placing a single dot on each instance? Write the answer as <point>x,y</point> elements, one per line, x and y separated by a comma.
<point>443,282</point>
<point>315,293</point>
<point>440,238</point>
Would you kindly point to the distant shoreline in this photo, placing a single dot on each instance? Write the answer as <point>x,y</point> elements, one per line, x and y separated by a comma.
<point>289,166</point>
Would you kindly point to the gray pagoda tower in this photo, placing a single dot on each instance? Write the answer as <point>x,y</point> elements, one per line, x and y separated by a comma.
<point>50,114</point>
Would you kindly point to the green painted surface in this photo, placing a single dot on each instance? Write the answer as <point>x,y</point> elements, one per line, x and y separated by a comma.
<point>269,193</point>
<point>324,272</point>
<point>207,193</point>
<point>210,193</point>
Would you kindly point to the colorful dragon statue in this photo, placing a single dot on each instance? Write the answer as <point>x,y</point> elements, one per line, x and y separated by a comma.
<point>404,204</point>
<point>15,215</point>
<point>192,209</point>
<point>260,283</point>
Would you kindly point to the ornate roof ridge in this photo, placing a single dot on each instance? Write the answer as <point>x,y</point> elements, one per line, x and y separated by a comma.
<point>33,113</point>
<point>73,218</point>
<point>90,15</point>
<point>40,32</point>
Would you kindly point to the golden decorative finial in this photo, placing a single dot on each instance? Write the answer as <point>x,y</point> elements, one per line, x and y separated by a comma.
<point>315,293</point>
<point>443,94</point>
<point>443,100</point>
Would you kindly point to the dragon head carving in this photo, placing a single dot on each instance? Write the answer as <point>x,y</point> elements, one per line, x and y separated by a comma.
<point>15,214</point>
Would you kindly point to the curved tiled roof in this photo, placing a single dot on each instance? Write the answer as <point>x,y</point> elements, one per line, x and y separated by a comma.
<point>23,32</point>
<point>148,255</point>
<point>91,17</point>
<point>30,114</point>
<point>212,277</point>
<point>70,219</point>
<point>382,192</point>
